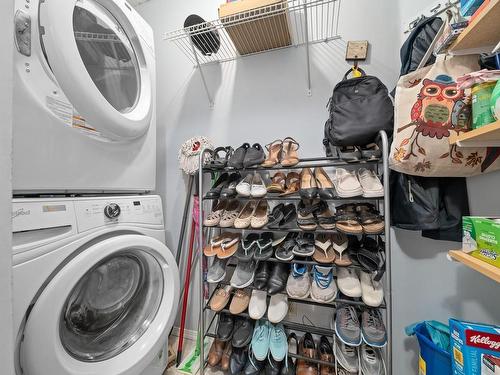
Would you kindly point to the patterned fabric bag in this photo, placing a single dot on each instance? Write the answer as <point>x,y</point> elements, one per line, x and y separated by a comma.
<point>429,108</point>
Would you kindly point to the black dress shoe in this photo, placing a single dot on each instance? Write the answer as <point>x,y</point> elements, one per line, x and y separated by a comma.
<point>273,367</point>
<point>236,159</point>
<point>254,156</point>
<point>219,184</point>
<point>308,187</point>
<point>225,328</point>
<point>229,191</point>
<point>262,275</point>
<point>243,330</point>
<point>238,360</point>
<point>293,347</point>
<point>254,367</point>
<point>278,278</point>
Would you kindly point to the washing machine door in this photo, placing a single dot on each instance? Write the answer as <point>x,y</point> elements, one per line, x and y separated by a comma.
<point>106,311</point>
<point>102,56</point>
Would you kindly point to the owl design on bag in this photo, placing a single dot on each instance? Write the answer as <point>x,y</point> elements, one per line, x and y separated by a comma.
<point>440,108</point>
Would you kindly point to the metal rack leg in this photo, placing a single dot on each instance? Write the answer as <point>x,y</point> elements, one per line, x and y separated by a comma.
<point>388,273</point>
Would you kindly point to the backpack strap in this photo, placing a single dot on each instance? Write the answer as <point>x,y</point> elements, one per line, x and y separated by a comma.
<point>351,71</point>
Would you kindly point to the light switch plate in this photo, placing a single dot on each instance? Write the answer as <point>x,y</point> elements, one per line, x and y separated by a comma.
<point>357,50</point>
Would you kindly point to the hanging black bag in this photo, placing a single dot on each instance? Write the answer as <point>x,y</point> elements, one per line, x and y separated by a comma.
<point>359,108</point>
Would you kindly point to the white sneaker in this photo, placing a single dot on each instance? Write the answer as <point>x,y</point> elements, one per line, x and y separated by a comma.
<point>372,291</point>
<point>372,187</point>
<point>278,308</point>
<point>346,183</point>
<point>258,189</point>
<point>258,304</point>
<point>244,186</point>
<point>323,288</point>
<point>299,282</point>
<point>371,361</point>
<point>348,282</point>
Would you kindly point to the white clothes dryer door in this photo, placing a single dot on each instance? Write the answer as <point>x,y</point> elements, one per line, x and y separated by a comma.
<point>106,311</point>
<point>101,61</point>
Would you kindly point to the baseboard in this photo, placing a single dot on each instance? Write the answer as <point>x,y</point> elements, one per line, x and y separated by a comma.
<point>188,334</point>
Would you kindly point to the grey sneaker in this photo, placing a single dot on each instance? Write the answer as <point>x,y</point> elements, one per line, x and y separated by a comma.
<point>373,328</point>
<point>347,356</point>
<point>371,361</point>
<point>217,271</point>
<point>347,325</point>
<point>243,274</point>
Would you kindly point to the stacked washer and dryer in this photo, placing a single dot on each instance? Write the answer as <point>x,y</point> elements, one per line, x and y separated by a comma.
<point>95,288</point>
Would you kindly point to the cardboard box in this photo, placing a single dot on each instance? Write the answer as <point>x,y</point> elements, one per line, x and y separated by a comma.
<point>481,238</point>
<point>253,32</point>
<point>475,348</point>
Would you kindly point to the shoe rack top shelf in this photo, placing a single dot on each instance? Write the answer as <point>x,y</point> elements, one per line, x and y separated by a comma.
<point>478,265</point>
<point>278,24</point>
<point>303,163</point>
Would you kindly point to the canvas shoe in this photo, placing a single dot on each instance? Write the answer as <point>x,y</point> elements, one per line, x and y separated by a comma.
<point>217,271</point>
<point>347,326</point>
<point>370,183</point>
<point>372,290</point>
<point>299,282</point>
<point>373,328</point>
<point>278,343</point>
<point>278,308</point>
<point>348,282</point>
<point>258,304</point>
<point>347,356</point>
<point>346,184</point>
<point>323,288</point>
<point>243,274</point>
<point>371,361</point>
<point>260,340</point>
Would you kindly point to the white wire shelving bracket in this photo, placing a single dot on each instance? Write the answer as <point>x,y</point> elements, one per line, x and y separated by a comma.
<point>290,23</point>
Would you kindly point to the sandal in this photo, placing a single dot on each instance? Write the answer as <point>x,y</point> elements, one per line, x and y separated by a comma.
<point>305,216</point>
<point>228,246</point>
<point>275,149</point>
<point>305,245</point>
<point>292,184</point>
<point>278,182</point>
<point>350,154</point>
<point>371,152</point>
<point>265,247</point>
<point>247,247</point>
<point>324,252</point>
<point>220,162</point>
<point>324,216</point>
<point>347,220</point>
<point>290,156</point>
<point>211,249</point>
<point>370,219</point>
<point>289,217</point>
<point>340,244</point>
<point>276,216</point>
<point>284,251</point>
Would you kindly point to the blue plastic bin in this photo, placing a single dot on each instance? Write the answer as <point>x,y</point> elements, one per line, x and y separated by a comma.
<point>436,361</point>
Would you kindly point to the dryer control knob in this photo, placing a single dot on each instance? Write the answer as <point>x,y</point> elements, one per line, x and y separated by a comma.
<point>112,211</point>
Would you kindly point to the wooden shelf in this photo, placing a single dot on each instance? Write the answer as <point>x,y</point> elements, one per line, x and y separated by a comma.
<point>483,33</point>
<point>476,264</point>
<point>485,136</point>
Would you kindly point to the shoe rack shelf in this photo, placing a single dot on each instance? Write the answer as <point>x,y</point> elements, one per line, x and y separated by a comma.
<point>274,26</point>
<point>207,330</point>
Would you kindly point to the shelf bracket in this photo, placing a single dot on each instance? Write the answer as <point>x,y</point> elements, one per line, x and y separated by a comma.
<point>210,99</point>
<point>308,60</point>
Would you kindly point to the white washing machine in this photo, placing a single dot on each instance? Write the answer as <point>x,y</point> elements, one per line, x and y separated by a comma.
<point>84,97</point>
<point>95,289</point>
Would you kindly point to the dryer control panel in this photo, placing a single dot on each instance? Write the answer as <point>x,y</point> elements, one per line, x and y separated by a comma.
<point>94,213</point>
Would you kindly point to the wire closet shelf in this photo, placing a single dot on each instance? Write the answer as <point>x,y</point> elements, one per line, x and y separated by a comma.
<point>281,25</point>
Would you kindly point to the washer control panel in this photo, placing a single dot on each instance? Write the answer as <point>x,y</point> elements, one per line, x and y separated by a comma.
<point>94,213</point>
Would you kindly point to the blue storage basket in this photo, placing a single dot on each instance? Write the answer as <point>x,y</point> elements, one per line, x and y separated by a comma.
<point>437,361</point>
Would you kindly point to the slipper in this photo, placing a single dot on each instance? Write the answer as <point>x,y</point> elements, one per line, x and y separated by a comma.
<point>324,252</point>
<point>228,246</point>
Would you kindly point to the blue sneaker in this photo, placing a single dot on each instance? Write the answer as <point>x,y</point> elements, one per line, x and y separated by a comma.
<point>260,340</point>
<point>323,288</point>
<point>278,343</point>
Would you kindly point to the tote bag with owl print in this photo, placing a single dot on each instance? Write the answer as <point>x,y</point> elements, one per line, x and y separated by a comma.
<point>429,107</point>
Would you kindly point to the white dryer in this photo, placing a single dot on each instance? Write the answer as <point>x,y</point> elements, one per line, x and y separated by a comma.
<point>84,97</point>
<point>95,289</point>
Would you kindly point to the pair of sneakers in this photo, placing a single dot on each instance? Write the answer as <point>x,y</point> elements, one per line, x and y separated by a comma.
<point>348,184</point>
<point>320,286</point>
<point>350,359</point>
<point>351,331</point>
<point>277,310</point>
<point>269,340</point>
<point>364,285</point>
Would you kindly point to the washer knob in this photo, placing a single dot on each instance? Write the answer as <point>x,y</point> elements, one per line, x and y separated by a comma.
<point>112,211</point>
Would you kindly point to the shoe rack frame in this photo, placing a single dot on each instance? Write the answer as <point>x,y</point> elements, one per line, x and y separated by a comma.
<point>381,166</point>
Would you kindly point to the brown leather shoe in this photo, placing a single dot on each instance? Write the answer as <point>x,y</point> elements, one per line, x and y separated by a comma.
<point>240,301</point>
<point>307,348</point>
<point>215,353</point>
<point>326,354</point>
<point>221,298</point>
<point>226,356</point>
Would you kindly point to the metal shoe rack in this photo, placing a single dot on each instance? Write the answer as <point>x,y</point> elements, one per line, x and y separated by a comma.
<point>208,317</point>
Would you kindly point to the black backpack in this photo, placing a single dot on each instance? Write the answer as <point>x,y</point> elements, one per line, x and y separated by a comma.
<point>359,108</point>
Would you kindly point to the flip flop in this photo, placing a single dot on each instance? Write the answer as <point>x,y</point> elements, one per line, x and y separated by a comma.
<point>211,249</point>
<point>324,252</point>
<point>228,246</point>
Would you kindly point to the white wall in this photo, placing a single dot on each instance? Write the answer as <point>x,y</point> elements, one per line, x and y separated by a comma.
<point>6,336</point>
<point>262,98</point>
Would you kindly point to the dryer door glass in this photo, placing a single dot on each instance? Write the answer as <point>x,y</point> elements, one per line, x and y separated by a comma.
<point>108,54</point>
<point>111,306</point>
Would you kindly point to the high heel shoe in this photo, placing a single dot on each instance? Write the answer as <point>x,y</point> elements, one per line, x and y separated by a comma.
<point>290,156</point>
<point>326,189</point>
<point>275,149</point>
<point>308,187</point>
